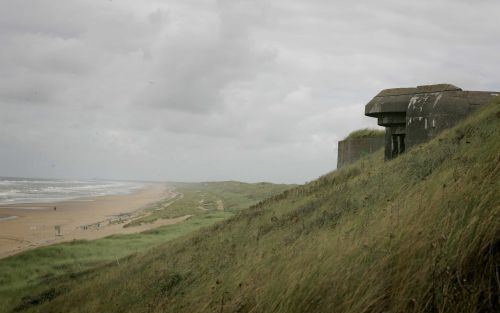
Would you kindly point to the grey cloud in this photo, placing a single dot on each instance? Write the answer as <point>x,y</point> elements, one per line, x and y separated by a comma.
<point>203,90</point>
<point>159,16</point>
<point>52,18</point>
<point>193,68</point>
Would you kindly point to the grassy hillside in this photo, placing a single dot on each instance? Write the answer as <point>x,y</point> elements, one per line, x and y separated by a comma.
<point>25,273</point>
<point>420,233</point>
<point>198,198</point>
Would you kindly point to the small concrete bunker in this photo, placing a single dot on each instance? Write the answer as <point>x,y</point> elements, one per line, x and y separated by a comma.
<point>358,144</point>
<point>414,115</point>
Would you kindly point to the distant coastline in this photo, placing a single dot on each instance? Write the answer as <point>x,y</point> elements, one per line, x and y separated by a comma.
<point>35,190</point>
<point>26,226</point>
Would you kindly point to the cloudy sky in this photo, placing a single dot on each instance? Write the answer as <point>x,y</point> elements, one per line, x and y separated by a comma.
<point>198,90</point>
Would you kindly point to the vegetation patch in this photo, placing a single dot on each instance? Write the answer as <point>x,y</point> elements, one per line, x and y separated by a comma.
<point>199,198</point>
<point>366,132</point>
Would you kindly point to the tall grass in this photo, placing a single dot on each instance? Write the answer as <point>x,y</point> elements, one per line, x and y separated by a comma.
<point>23,274</point>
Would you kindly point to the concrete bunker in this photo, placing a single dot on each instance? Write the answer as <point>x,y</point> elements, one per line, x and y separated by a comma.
<point>358,144</point>
<point>414,115</point>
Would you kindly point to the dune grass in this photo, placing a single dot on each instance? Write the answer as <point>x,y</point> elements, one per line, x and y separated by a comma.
<point>366,132</point>
<point>419,233</point>
<point>198,198</point>
<point>39,267</point>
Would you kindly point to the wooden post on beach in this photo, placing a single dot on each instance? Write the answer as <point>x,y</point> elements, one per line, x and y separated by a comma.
<point>57,229</point>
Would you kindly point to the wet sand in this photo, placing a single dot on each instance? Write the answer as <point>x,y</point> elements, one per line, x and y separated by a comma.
<point>26,226</point>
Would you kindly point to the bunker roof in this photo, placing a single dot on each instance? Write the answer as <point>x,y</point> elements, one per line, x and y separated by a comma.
<point>417,90</point>
<point>395,100</point>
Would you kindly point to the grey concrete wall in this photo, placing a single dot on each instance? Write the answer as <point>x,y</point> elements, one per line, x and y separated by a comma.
<point>429,114</point>
<point>352,149</point>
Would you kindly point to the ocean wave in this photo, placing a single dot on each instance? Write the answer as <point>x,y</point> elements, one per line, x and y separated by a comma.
<point>36,190</point>
<point>7,218</point>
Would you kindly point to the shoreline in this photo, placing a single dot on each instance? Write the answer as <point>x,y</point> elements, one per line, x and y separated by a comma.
<point>48,203</point>
<point>37,224</point>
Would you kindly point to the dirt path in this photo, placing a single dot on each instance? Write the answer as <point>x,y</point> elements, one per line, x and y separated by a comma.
<point>220,205</point>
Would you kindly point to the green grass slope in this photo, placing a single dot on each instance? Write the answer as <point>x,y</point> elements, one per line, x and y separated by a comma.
<point>33,271</point>
<point>199,198</point>
<point>417,234</point>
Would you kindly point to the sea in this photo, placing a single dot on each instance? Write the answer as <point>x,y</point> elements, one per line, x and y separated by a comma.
<point>36,190</point>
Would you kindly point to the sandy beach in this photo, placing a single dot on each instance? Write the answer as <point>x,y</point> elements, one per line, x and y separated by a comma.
<point>26,226</point>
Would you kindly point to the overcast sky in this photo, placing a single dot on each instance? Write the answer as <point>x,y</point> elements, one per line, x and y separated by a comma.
<point>198,90</point>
